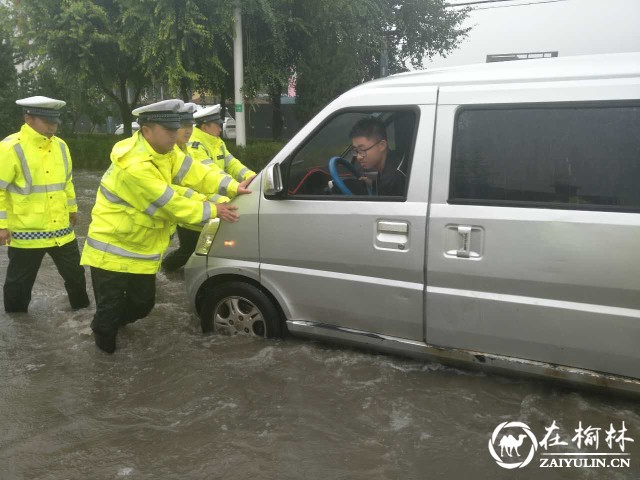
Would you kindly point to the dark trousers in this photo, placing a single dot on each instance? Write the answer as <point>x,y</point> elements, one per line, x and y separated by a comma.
<point>121,298</point>
<point>24,264</point>
<point>177,258</point>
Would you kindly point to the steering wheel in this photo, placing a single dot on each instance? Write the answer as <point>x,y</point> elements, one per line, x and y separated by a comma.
<point>335,175</point>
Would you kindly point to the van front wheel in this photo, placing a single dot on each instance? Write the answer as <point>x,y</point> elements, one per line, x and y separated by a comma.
<point>239,308</point>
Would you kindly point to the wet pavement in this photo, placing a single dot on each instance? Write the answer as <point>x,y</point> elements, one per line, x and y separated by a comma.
<point>174,404</point>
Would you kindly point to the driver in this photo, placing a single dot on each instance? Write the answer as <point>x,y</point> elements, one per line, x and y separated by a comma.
<point>384,172</point>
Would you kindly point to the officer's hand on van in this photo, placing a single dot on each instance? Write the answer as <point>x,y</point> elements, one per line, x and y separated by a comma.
<point>5,237</point>
<point>73,219</point>
<point>242,186</point>
<point>227,213</point>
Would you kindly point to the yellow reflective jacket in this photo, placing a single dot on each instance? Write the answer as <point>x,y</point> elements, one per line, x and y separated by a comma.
<point>137,208</point>
<point>202,176</point>
<point>36,190</point>
<point>217,151</point>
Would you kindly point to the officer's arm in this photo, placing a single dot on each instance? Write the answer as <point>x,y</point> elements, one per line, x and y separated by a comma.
<point>5,236</point>
<point>68,188</point>
<point>234,167</point>
<point>188,192</point>
<point>8,165</point>
<point>207,179</point>
<point>148,194</point>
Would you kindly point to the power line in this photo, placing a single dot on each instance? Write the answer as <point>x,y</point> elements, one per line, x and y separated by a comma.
<point>478,2</point>
<point>519,4</point>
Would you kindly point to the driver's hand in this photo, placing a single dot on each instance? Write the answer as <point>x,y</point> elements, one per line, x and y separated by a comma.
<point>366,180</point>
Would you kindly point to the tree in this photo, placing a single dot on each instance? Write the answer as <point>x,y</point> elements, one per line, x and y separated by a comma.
<point>81,97</point>
<point>86,41</point>
<point>348,40</point>
<point>9,111</point>
<point>274,33</point>
<point>175,35</point>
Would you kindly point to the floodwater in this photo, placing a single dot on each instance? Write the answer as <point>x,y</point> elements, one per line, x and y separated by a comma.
<point>174,404</point>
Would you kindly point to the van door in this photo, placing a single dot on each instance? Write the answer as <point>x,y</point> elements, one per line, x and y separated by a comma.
<point>534,225</point>
<point>353,261</point>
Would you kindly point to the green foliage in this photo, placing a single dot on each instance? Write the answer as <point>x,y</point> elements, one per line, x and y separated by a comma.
<point>10,118</point>
<point>115,49</point>
<point>349,39</point>
<point>174,34</point>
<point>86,41</point>
<point>256,154</point>
<point>91,151</point>
<point>82,97</point>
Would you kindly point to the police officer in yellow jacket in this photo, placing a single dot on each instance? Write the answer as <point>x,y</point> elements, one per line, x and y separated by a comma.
<point>146,191</point>
<point>188,234</point>
<point>206,140</point>
<point>38,206</point>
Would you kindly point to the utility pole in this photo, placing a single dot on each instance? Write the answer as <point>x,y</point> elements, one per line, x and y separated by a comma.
<point>238,77</point>
<point>384,60</point>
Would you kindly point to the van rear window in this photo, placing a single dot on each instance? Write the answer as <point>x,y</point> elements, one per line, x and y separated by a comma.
<point>577,157</point>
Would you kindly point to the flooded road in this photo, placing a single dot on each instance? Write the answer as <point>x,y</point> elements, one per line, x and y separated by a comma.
<point>174,404</point>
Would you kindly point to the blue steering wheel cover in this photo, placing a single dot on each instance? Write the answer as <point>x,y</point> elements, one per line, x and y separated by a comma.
<point>337,180</point>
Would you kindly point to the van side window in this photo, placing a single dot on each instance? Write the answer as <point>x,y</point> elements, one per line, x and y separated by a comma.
<point>581,156</point>
<point>328,166</point>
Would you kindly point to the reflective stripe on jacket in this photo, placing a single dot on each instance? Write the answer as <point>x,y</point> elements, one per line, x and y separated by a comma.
<point>36,189</point>
<point>221,156</point>
<point>201,176</point>
<point>137,208</point>
<point>227,187</point>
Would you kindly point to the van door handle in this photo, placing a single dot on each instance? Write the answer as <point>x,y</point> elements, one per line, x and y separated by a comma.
<point>465,249</point>
<point>392,235</point>
<point>393,227</point>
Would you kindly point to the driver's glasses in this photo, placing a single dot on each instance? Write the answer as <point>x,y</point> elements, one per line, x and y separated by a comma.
<point>362,152</point>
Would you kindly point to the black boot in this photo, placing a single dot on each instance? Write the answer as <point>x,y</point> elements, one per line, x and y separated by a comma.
<point>106,343</point>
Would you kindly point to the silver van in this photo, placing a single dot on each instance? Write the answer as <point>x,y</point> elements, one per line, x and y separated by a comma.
<point>514,244</point>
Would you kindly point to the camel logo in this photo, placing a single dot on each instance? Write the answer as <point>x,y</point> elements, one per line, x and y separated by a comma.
<point>511,443</point>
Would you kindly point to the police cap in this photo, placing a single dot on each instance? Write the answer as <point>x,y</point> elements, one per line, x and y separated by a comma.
<point>186,112</point>
<point>43,107</point>
<point>164,113</point>
<point>209,114</point>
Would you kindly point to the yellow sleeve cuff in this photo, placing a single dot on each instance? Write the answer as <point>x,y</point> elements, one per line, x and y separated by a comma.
<point>232,189</point>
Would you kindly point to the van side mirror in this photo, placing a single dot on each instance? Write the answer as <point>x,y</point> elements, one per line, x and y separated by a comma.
<point>272,180</point>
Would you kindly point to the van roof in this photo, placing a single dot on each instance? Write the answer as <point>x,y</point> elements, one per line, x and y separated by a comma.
<point>583,67</point>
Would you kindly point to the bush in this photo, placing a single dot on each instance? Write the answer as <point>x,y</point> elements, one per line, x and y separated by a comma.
<point>91,151</point>
<point>256,154</point>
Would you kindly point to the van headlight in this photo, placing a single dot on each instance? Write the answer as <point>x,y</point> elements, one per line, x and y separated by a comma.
<point>207,236</point>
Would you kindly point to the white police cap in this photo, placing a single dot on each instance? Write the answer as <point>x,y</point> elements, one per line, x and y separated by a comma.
<point>186,112</point>
<point>38,106</point>
<point>209,114</point>
<point>164,113</point>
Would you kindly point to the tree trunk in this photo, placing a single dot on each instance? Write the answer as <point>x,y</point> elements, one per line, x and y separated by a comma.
<point>74,122</point>
<point>277,119</point>
<point>184,91</point>
<point>125,108</point>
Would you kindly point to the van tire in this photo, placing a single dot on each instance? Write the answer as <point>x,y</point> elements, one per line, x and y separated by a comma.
<point>241,308</point>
